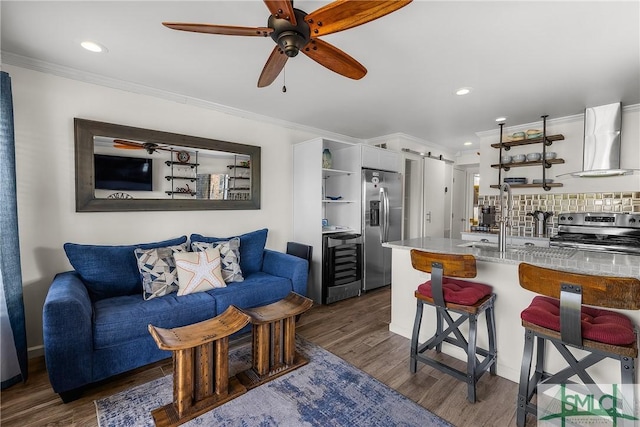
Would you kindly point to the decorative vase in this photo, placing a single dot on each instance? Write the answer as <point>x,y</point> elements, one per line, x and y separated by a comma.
<point>326,159</point>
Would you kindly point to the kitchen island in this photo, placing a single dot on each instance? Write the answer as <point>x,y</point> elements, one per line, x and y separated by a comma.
<point>500,270</point>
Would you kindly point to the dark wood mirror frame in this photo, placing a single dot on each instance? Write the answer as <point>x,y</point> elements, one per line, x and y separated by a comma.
<point>86,130</point>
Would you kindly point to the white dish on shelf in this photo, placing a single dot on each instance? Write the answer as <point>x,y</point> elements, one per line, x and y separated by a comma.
<point>506,159</point>
<point>532,157</point>
<point>549,155</point>
<point>518,158</point>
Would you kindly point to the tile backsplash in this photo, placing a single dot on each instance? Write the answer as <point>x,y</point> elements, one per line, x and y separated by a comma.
<point>523,225</point>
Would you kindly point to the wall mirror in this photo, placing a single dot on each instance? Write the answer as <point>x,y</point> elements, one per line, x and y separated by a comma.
<point>123,168</point>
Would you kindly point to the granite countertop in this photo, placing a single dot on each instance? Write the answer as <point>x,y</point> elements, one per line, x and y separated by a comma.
<point>566,259</point>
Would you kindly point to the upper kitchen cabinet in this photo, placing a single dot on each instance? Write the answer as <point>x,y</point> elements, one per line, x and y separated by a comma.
<point>379,158</point>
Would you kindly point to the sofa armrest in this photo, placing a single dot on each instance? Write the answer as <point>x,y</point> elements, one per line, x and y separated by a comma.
<point>289,266</point>
<point>68,332</point>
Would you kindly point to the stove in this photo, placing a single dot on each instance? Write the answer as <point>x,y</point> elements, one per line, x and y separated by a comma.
<point>599,232</point>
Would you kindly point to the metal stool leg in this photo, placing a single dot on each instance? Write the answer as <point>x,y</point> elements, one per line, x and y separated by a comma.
<point>413,361</point>
<point>523,389</point>
<point>471,359</point>
<point>439,327</point>
<point>491,325</point>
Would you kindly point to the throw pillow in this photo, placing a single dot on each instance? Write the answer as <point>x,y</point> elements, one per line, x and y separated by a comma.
<point>158,270</point>
<point>229,256</point>
<point>198,271</point>
<point>110,271</point>
<point>251,249</point>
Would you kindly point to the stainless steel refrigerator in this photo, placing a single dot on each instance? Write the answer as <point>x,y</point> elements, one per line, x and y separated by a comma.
<point>381,222</point>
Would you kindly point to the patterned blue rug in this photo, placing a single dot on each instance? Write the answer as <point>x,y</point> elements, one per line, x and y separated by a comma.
<point>326,392</point>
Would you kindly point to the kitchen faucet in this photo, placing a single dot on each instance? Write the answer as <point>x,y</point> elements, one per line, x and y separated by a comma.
<point>505,216</point>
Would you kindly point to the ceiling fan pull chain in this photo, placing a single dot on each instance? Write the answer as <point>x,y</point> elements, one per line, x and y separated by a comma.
<point>284,79</point>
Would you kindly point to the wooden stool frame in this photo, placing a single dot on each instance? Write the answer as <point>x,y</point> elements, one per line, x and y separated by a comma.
<point>201,379</point>
<point>273,334</point>
<point>573,290</point>
<point>441,265</point>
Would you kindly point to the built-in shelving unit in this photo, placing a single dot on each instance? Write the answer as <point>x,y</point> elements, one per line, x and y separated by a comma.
<point>174,175</point>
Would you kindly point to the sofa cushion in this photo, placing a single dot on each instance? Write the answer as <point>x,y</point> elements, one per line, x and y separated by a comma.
<point>198,271</point>
<point>251,247</point>
<point>110,271</point>
<point>229,257</point>
<point>158,270</point>
<point>256,290</point>
<point>122,319</point>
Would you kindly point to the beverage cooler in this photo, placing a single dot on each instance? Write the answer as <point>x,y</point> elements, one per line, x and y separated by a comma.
<point>342,266</point>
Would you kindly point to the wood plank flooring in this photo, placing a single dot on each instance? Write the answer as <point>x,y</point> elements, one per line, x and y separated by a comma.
<point>356,330</point>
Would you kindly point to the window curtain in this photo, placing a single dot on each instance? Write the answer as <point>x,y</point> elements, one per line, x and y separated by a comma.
<point>13,338</point>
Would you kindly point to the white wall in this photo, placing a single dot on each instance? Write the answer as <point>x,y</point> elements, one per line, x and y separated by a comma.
<point>44,108</point>
<point>570,149</point>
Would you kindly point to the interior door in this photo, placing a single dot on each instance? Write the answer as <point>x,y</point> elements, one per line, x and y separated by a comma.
<point>458,211</point>
<point>434,198</point>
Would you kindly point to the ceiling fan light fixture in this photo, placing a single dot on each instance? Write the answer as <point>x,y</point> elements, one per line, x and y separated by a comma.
<point>501,119</point>
<point>291,42</point>
<point>463,91</point>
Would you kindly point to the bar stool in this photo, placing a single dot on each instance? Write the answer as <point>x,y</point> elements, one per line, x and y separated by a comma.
<point>466,299</point>
<point>558,316</point>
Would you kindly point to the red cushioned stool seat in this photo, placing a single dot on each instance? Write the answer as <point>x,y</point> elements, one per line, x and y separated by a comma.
<point>604,326</point>
<point>457,291</point>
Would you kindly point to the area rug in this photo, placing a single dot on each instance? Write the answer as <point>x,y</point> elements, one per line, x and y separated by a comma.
<point>326,392</point>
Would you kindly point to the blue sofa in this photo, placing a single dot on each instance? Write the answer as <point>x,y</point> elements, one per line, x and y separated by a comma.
<point>95,319</point>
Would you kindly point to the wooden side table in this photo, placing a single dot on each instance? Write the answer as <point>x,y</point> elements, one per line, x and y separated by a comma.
<point>274,334</point>
<point>200,366</point>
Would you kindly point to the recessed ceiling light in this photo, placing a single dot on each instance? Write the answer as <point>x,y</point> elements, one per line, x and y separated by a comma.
<point>501,119</point>
<point>468,143</point>
<point>93,47</point>
<point>463,91</point>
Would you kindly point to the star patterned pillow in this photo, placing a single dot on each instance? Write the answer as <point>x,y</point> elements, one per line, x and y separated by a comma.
<point>158,270</point>
<point>199,271</point>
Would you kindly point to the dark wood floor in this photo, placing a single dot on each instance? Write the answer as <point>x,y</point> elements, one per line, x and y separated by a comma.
<point>356,329</point>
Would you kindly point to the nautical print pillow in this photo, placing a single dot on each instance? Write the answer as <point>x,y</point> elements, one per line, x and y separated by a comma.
<point>199,271</point>
<point>158,270</point>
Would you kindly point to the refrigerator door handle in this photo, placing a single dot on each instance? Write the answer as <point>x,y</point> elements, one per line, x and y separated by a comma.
<point>384,215</point>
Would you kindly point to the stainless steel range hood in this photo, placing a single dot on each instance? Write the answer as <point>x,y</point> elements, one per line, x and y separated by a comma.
<point>601,156</point>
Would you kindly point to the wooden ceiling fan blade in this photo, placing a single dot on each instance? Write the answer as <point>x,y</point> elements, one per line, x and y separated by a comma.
<point>343,14</point>
<point>127,145</point>
<point>272,68</point>
<point>334,59</point>
<point>227,30</point>
<point>282,9</point>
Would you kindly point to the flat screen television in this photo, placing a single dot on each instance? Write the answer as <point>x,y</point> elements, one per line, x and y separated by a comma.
<point>123,173</point>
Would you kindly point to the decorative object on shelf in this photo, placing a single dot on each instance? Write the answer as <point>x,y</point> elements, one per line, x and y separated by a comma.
<point>334,197</point>
<point>515,180</point>
<point>534,133</point>
<point>550,155</point>
<point>326,159</point>
<point>519,158</point>
<point>183,156</point>
<point>534,157</point>
<point>517,136</point>
<point>119,195</point>
<point>506,159</point>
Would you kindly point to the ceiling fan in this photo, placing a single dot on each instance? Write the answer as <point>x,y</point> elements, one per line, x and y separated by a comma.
<point>294,30</point>
<point>151,147</point>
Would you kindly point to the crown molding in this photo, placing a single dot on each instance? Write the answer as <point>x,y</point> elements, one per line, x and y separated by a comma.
<point>20,61</point>
<point>555,121</point>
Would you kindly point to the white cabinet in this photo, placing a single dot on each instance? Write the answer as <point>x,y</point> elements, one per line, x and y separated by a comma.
<point>324,193</point>
<point>379,158</point>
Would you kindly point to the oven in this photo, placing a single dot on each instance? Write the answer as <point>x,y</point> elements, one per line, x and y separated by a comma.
<point>599,232</point>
